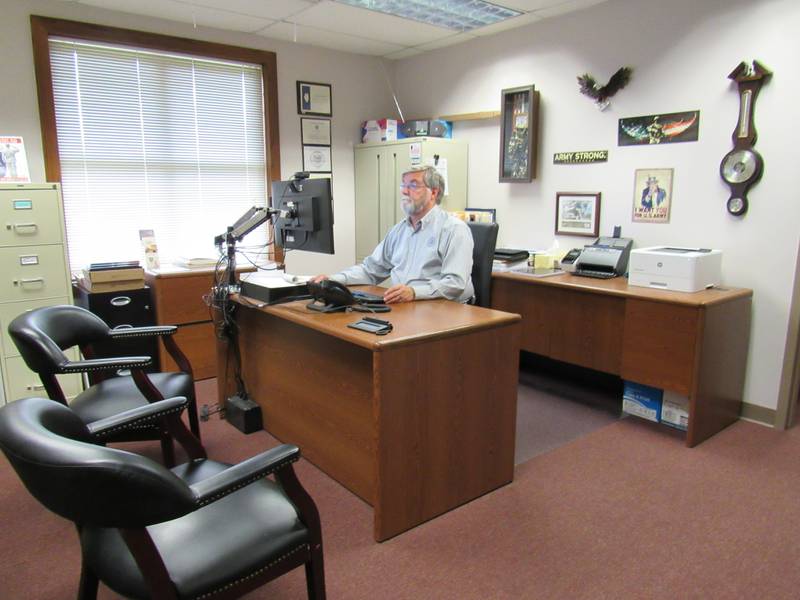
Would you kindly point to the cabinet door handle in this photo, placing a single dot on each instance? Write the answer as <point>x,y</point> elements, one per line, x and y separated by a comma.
<point>120,301</point>
<point>23,228</point>
<point>34,387</point>
<point>28,281</point>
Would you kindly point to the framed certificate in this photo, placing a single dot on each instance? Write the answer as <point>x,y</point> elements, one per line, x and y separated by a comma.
<point>315,131</point>
<point>317,159</point>
<point>314,99</point>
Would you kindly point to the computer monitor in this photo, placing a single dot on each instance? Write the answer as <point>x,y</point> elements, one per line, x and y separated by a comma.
<point>311,227</point>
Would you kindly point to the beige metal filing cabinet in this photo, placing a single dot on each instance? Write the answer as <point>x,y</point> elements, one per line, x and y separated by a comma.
<point>34,272</point>
<point>378,170</point>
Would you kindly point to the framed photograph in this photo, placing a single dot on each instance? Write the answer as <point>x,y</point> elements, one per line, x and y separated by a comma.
<point>317,159</point>
<point>578,213</point>
<point>519,123</point>
<point>652,195</point>
<point>314,99</point>
<point>480,215</point>
<point>315,132</point>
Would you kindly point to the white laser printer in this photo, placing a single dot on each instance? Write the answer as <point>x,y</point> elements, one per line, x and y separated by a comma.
<point>674,268</point>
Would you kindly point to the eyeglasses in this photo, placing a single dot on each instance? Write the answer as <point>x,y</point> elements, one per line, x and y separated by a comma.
<point>412,186</point>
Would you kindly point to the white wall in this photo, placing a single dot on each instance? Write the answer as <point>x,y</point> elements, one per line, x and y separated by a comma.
<point>681,52</point>
<point>359,84</point>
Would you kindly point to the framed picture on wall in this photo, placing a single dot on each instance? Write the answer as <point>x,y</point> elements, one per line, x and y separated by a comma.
<point>314,99</point>
<point>315,131</point>
<point>578,213</point>
<point>652,195</point>
<point>519,121</point>
<point>317,159</point>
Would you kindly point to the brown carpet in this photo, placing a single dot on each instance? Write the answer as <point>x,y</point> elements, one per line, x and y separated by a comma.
<point>624,512</point>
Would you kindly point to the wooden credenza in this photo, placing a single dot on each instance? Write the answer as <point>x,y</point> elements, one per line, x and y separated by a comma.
<point>692,344</point>
<point>415,422</point>
<point>178,298</point>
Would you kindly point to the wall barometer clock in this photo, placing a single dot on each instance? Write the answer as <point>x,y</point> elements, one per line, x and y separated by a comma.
<point>742,166</point>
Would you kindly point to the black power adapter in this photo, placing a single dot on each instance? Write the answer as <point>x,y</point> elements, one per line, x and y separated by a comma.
<point>243,413</point>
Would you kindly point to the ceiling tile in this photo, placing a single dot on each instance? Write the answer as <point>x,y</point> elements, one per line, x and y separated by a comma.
<point>404,53</point>
<point>179,11</point>
<point>357,21</point>
<point>567,7</point>
<point>451,40</point>
<point>519,21</point>
<point>527,5</point>
<point>327,39</point>
<point>266,9</point>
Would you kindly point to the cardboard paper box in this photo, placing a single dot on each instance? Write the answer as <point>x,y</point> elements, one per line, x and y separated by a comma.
<point>675,410</point>
<point>642,401</point>
<point>379,130</point>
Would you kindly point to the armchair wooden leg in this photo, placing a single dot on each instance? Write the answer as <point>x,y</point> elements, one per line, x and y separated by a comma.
<point>167,450</point>
<point>315,575</point>
<point>87,589</point>
<point>194,422</point>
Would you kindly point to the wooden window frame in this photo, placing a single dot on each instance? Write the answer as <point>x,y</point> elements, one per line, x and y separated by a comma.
<point>43,28</point>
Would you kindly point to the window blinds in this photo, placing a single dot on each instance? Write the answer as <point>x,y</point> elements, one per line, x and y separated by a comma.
<point>157,141</point>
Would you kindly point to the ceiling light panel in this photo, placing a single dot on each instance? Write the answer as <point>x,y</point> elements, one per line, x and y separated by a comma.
<point>460,15</point>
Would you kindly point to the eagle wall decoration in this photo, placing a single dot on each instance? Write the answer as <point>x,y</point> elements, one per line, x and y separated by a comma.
<point>602,94</point>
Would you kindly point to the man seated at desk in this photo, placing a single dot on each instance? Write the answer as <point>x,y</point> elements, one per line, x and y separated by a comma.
<point>428,254</point>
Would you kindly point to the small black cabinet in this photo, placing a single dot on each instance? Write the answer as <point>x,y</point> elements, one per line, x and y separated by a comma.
<point>120,310</point>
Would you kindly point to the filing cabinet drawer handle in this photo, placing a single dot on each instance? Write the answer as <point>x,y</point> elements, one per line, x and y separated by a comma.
<point>23,228</point>
<point>29,281</point>
<point>34,387</point>
<point>120,301</point>
<point>123,326</point>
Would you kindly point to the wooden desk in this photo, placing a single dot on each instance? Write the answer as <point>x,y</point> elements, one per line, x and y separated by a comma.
<point>692,344</point>
<point>415,423</point>
<point>178,299</point>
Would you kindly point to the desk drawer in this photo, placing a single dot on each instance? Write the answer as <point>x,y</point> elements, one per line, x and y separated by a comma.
<point>660,345</point>
<point>199,345</point>
<point>32,272</point>
<point>29,217</point>
<point>180,299</point>
<point>128,307</point>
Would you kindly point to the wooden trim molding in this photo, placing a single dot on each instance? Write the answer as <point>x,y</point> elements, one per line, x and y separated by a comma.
<point>43,28</point>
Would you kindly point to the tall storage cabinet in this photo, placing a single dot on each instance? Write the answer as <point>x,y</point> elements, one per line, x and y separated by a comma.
<point>379,168</point>
<point>34,272</point>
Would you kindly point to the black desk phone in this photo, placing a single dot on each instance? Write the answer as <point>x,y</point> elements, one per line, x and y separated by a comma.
<point>331,296</point>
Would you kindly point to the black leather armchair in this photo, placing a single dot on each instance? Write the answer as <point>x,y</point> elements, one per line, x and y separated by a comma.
<point>42,334</point>
<point>204,529</point>
<point>484,237</point>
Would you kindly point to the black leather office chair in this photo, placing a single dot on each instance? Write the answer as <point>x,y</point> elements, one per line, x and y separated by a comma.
<point>42,334</point>
<point>204,529</point>
<point>484,236</point>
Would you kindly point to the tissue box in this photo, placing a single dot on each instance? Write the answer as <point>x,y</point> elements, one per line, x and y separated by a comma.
<point>379,130</point>
<point>642,400</point>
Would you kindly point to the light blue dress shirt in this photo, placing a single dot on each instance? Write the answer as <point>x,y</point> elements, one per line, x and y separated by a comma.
<point>435,259</point>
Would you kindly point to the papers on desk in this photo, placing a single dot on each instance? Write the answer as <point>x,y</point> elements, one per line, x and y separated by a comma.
<point>195,262</point>
<point>501,266</point>
<point>536,271</point>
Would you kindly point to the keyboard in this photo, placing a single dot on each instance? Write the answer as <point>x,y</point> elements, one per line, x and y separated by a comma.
<point>367,298</point>
<point>595,274</point>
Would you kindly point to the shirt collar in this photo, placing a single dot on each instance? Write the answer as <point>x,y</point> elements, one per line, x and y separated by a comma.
<point>423,222</point>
